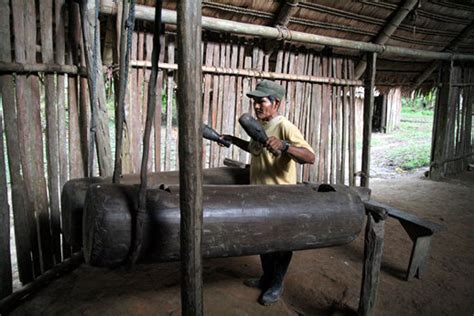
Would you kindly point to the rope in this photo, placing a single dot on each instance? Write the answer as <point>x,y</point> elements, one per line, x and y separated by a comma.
<point>141,207</point>
<point>125,60</point>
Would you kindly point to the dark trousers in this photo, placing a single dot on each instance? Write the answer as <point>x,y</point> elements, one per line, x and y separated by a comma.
<point>275,265</point>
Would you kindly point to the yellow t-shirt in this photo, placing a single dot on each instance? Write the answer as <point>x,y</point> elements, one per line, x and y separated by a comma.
<point>268,169</point>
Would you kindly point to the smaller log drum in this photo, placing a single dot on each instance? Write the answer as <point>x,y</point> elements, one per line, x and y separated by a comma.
<point>238,220</point>
<point>74,193</point>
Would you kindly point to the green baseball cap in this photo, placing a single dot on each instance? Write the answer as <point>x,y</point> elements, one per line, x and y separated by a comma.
<point>267,88</point>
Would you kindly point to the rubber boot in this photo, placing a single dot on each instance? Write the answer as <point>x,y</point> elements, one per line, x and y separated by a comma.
<point>263,283</point>
<point>274,292</point>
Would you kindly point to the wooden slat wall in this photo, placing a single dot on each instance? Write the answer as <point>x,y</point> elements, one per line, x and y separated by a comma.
<point>324,113</point>
<point>452,144</point>
<point>328,116</point>
<point>35,98</point>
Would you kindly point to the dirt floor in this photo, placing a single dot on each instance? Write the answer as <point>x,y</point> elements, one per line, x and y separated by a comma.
<point>319,282</point>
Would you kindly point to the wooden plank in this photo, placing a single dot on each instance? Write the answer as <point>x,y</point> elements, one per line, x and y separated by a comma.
<point>333,118</point>
<point>352,129</point>
<point>5,253</point>
<point>306,118</point>
<point>20,199</point>
<point>76,48</point>
<point>373,251</point>
<point>59,35</point>
<point>77,160</point>
<point>345,123</point>
<point>239,101</point>
<point>339,166</point>
<point>30,134</point>
<point>221,100</point>
<point>323,145</point>
<point>246,107</point>
<point>215,100</point>
<point>225,104</point>
<point>291,87</point>
<point>206,102</point>
<point>159,103</point>
<point>169,109</point>
<point>316,121</point>
<point>52,132</point>
<point>232,101</point>
<point>368,113</point>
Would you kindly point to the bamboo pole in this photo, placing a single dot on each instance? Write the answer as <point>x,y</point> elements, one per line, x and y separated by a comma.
<point>258,74</point>
<point>190,148</point>
<point>368,113</point>
<point>387,31</point>
<point>220,25</point>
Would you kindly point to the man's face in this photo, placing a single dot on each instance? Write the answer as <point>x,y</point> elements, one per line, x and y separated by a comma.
<point>265,110</point>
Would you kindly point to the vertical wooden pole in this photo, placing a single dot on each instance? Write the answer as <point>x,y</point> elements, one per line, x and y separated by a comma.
<point>440,124</point>
<point>30,135</point>
<point>6,95</point>
<point>60,17</point>
<point>373,251</point>
<point>369,83</point>
<point>5,253</point>
<point>97,98</point>
<point>20,199</point>
<point>190,149</point>
<point>52,132</point>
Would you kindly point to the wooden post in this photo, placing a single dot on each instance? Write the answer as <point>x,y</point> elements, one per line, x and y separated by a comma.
<point>5,254</point>
<point>440,125</point>
<point>98,100</point>
<point>373,251</point>
<point>19,197</point>
<point>52,132</point>
<point>190,149</point>
<point>368,112</point>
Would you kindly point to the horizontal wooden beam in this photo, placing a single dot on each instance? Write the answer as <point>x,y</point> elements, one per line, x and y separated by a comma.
<point>168,16</point>
<point>256,74</point>
<point>47,68</point>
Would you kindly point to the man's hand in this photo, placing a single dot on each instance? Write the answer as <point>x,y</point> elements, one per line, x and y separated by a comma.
<point>228,138</point>
<point>274,145</point>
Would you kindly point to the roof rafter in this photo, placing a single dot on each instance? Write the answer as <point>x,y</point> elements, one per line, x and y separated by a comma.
<point>287,9</point>
<point>387,31</point>
<point>465,33</point>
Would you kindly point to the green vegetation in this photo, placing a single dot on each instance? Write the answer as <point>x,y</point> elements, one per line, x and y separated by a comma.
<point>409,147</point>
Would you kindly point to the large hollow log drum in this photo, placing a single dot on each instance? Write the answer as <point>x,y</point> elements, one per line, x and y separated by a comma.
<point>238,220</point>
<point>74,193</point>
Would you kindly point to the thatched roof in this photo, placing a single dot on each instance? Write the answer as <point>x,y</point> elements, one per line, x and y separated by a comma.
<point>432,25</point>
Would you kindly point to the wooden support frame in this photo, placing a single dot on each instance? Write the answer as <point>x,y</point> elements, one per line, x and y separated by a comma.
<point>213,24</point>
<point>452,46</point>
<point>190,153</point>
<point>373,251</point>
<point>440,125</point>
<point>390,27</point>
<point>287,9</point>
<point>368,113</point>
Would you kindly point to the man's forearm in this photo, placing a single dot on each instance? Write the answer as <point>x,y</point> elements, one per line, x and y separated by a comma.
<point>301,155</point>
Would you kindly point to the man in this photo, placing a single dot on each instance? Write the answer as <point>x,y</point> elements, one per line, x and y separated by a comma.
<point>273,163</point>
